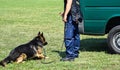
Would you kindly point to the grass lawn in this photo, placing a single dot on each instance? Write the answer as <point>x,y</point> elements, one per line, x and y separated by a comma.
<point>21,20</point>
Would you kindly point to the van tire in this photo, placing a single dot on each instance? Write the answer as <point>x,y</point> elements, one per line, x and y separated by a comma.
<point>114,40</point>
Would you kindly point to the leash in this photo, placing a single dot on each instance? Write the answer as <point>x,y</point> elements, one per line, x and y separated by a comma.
<point>61,47</point>
<point>44,60</point>
<point>62,42</point>
<point>44,51</point>
<point>45,54</point>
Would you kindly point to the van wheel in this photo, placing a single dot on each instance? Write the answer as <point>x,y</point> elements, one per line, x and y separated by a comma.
<point>114,39</point>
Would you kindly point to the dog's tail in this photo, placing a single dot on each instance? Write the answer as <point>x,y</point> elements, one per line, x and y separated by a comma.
<point>5,61</point>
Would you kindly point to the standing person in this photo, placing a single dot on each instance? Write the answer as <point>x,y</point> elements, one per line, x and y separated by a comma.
<point>70,17</point>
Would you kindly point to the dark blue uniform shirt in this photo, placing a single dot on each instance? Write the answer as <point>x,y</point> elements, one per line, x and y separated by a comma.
<point>75,10</point>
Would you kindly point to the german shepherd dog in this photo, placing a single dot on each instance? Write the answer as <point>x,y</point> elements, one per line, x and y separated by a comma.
<point>32,49</point>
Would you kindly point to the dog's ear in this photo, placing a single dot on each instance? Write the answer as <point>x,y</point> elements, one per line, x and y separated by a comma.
<point>39,33</point>
<point>42,34</point>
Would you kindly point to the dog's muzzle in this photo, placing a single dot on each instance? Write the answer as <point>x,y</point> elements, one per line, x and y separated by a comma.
<point>45,43</point>
<point>42,44</point>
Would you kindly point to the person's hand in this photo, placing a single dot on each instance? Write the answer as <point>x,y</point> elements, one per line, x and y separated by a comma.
<point>65,18</point>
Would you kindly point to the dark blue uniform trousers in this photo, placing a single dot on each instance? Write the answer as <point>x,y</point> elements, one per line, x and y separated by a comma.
<point>71,38</point>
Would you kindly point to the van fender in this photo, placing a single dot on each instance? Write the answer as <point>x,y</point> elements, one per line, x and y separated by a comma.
<point>111,17</point>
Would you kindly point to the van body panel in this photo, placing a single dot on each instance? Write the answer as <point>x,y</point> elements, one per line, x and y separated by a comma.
<point>97,13</point>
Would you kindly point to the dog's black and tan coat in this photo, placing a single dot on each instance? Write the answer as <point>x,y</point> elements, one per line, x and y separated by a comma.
<point>32,49</point>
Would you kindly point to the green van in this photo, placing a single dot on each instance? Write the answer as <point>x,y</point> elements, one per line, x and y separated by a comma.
<point>102,17</point>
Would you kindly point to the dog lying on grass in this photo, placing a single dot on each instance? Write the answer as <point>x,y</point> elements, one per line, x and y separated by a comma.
<point>32,49</point>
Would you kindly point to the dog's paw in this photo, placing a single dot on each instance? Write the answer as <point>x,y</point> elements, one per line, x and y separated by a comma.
<point>46,57</point>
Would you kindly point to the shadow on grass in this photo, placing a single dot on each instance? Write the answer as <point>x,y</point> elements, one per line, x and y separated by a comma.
<point>90,45</point>
<point>93,44</point>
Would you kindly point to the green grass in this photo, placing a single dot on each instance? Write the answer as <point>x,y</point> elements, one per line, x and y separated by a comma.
<point>21,20</point>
